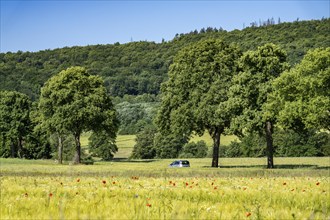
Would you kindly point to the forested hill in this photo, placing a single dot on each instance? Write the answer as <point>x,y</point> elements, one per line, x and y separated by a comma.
<point>140,67</point>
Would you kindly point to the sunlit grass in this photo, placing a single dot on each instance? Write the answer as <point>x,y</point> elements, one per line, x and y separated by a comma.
<point>148,189</point>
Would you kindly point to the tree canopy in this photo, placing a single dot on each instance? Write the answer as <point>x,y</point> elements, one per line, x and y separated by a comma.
<point>193,97</point>
<point>303,94</point>
<point>251,89</point>
<point>76,101</point>
<point>15,122</point>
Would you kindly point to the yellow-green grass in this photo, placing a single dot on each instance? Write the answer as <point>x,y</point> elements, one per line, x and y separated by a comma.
<point>149,189</point>
<point>125,144</point>
<point>224,140</point>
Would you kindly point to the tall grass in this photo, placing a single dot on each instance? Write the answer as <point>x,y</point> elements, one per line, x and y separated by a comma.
<point>149,189</point>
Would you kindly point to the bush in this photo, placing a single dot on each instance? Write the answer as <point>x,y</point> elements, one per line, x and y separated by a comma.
<point>194,150</point>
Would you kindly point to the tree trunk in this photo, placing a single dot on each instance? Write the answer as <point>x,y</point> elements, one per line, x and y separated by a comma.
<point>270,147</point>
<point>60,150</point>
<point>20,147</point>
<point>216,144</point>
<point>12,149</point>
<point>78,148</point>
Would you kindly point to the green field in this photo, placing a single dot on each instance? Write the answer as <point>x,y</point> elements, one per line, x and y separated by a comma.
<point>298,188</point>
<point>126,143</point>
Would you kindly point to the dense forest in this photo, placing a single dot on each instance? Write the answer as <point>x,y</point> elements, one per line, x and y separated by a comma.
<point>138,68</point>
<point>133,74</point>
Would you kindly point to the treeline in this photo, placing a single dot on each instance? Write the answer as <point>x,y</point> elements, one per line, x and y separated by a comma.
<point>137,68</point>
<point>133,75</point>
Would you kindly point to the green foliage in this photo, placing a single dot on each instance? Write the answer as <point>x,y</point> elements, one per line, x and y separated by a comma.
<point>292,144</point>
<point>140,67</point>
<point>288,143</point>
<point>168,146</point>
<point>194,150</point>
<point>102,145</point>
<point>15,122</point>
<point>144,147</point>
<point>302,94</point>
<point>194,98</point>
<point>252,86</point>
<point>75,101</point>
<point>134,117</point>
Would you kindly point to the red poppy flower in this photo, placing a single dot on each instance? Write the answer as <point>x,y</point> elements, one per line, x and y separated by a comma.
<point>247,214</point>
<point>50,194</point>
<point>187,184</point>
<point>148,204</point>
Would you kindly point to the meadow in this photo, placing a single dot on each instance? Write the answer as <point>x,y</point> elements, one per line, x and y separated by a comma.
<point>242,188</point>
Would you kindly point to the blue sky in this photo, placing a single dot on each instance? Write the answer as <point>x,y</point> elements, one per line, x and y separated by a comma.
<point>39,25</point>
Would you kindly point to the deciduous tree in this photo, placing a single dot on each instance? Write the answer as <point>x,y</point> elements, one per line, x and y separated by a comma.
<point>76,101</point>
<point>193,98</point>
<point>15,121</point>
<point>251,89</point>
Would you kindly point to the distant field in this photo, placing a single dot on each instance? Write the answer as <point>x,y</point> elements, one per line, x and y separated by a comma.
<point>126,143</point>
<point>148,189</point>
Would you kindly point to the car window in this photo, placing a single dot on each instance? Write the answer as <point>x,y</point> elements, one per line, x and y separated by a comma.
<point>185,162</point>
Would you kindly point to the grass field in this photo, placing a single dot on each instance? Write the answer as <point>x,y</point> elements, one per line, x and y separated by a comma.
<point>148,189</point>
<point>126,143</point>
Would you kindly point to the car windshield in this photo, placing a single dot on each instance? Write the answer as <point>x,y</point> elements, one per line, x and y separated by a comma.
<point>185,162</point>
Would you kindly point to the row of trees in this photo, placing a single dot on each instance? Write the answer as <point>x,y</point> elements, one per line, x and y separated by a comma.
<point>215,87</point>
<point>71,102</point>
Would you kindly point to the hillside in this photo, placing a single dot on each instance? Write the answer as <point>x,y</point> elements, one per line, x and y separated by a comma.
<point>140,67</point>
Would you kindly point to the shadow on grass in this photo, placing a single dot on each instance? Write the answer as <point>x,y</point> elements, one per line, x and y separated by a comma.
<point>132,160</point>
<point>281,166</point>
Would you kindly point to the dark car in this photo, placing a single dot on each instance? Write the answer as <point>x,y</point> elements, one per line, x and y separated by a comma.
<point>180,163</point>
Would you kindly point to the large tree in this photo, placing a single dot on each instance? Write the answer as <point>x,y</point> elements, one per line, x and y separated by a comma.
<point>302,94</point>
<point>76,101</point>
<point>251,89</point>
<point>15,121</point>
<point>194,97</point>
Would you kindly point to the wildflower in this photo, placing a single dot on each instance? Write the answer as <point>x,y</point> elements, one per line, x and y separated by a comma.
<point>26,194</point>
<point>318,183</point>
<point>78,180</point>
<point>148,205</point>
<point>215,188</point>
<point>247,214</point>
<point>187,184</point>
<point>284,183</point>
<point>173,184</point>
<point>50,194</point>
<point>113,182</point>
<point>170,182</point>
<point>303,190</point>
<point>292,190</point>
<point>244,188</point>
<point>77,193</point>
<point>61,184</point>
<point>104,182</point>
